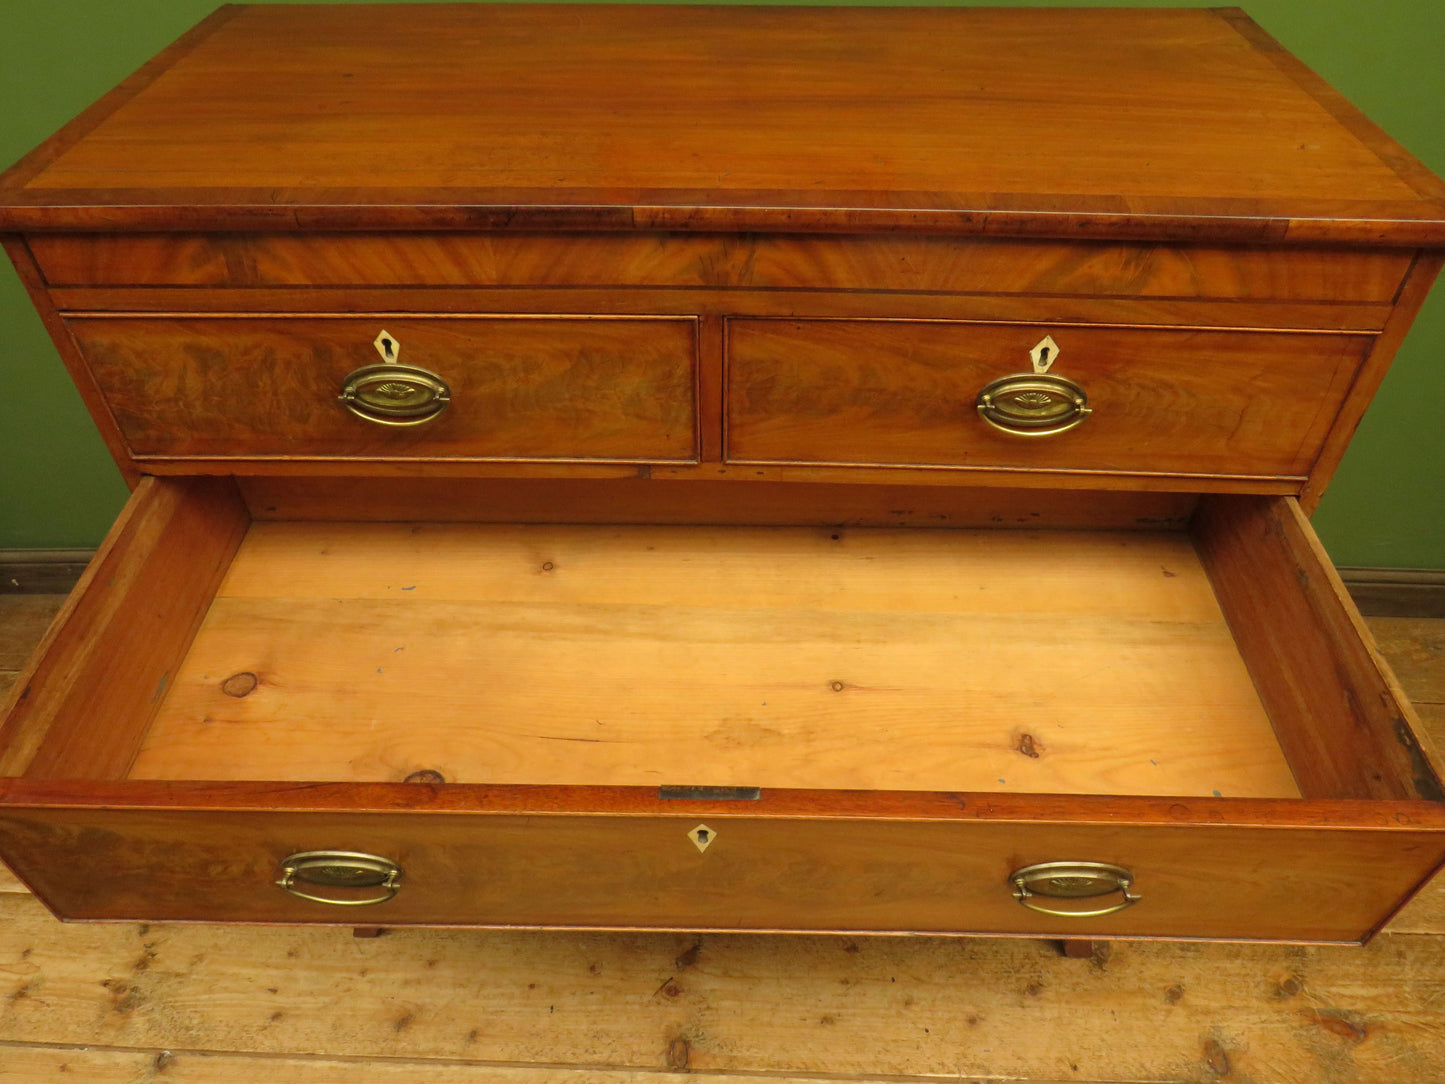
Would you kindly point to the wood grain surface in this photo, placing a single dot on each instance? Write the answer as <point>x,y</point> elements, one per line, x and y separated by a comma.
<point>117,1002</point>
<point>1416,650</point>
<point>712,133</point>
<point>522,388</point>
<point>759,872</point>
<point>25,619</point>
<point>657,497</point>
<point>691,301</point>
<point>1184,402</point>
<point>494,624</point>
<point>88,693</point>
<point>699,118</point>
<point>564,1008</point>
<point>1060,662</point>
<point>1344,722</point>
<point>102,1066</point>
<point>729,261</point>
<point>125,1066</point>
<point>681,81</point>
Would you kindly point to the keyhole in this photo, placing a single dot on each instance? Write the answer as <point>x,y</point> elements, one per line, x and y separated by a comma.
<point>386,346</point>
<point>1043,354</point>
<point>701,837</point>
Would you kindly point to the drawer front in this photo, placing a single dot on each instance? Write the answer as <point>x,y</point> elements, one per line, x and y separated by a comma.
<point>754,874</point>
<point>520,388</point>
<point>904,393</point>
<point>750,261</point>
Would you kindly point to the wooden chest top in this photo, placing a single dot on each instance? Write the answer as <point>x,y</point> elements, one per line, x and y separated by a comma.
<point>1141,124</point>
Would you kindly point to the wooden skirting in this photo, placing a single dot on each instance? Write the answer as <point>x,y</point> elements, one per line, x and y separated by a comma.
<point>1397,592</point>
<point>41,572</point>
<point>1378,592</point>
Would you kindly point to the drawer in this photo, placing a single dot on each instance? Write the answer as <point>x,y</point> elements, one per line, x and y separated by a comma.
<point>608,860</point>
<point>519,388</point>
<point>745,727</point>
<point>890,263</point>
<point>1172,401</point>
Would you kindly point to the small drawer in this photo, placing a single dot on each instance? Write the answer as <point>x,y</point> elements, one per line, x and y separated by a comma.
<point>835,729</point>
<point>901,393</point>
<point>896,262</point>
<point>510,388</point>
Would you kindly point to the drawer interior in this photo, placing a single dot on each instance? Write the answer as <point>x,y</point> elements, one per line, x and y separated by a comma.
<point>1218,659</point>
<point>780,657</point>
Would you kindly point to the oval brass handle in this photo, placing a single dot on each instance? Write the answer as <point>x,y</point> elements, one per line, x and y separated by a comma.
<point>395,394</point>
<point>1073,881</point>
<point>344,870</point>
<point>1033,404</point>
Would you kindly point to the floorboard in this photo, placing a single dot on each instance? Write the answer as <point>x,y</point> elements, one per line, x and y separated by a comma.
<point>23,620</point>
<point>128,1002</point>
<point>1416,649</point>
<point>34,1063</point>
<point>890,1007</point>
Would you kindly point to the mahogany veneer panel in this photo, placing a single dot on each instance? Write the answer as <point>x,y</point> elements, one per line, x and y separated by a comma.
<point>872,392</point>
<point>521,388</point>
<point>769,873</point>
<point>620,118</point>
<point>709,303</point>
<point>822,73</point>
<point>749,261</point>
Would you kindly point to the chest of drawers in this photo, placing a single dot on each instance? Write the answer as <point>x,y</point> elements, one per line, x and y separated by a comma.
<point>746,469</point>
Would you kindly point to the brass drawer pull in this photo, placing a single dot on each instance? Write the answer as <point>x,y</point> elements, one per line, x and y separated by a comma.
<point>341,869</point>
<point>1073,881</point>
<point>395,394</point>
<point>1033,404</point>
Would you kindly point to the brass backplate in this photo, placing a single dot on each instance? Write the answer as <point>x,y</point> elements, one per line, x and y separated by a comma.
<point>1071,880</point>
<point>395,394</point>
<point>1033,404</point>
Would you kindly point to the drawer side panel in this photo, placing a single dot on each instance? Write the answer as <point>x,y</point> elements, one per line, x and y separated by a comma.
<point>1341,718</point>
<point>81,708</point>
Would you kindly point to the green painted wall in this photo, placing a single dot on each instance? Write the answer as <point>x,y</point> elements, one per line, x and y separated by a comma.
<point>58,487</point>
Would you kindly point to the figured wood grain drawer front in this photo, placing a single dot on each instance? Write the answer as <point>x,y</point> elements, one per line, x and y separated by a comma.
<point>1162,400</point>
<point>938,876</point>
<point>749,261</point>
<point>591,388</point>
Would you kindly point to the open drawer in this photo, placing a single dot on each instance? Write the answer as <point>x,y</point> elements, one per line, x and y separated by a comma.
<point>830,728</point>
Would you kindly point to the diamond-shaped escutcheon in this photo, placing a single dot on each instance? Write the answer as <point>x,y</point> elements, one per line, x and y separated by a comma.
<point>702,837</point>
<point>1044,354</point>
<point>387,346</point>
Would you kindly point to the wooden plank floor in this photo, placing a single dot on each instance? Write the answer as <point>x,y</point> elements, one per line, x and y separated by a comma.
<point>217,1004</point>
